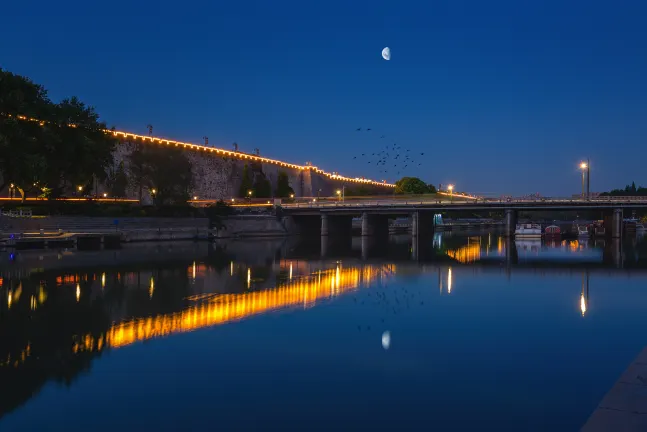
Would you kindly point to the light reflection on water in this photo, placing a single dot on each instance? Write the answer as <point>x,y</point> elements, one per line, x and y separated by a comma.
<point>454,296</point>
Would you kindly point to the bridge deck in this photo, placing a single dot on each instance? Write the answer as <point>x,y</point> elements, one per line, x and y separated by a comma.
<point>400,206</point>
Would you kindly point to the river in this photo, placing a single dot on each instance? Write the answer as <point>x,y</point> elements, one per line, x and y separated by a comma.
<point>458,332</point>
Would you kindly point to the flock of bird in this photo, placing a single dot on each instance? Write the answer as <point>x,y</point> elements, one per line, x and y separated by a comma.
<point>390,158</point>
<point>391,300</point>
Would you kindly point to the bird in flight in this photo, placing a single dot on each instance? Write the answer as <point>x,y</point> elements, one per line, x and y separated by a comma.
<point>359,129</point>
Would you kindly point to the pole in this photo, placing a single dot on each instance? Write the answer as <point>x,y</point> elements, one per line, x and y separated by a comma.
<point>588,178</point>
<point>583,173</point>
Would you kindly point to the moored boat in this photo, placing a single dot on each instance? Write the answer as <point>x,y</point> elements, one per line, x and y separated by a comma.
<point>553,231</point>
<point>528,230</point>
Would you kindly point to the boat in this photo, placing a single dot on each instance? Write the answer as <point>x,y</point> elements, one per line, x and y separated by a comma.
<point>553,231</point>
<point>597,230</point>
<point>528,230</point>
<point>640,227</point>
<point>528,245</point>
<point>582,231</point>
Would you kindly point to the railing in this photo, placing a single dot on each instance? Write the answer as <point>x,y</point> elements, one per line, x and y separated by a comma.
<point>390,202</point>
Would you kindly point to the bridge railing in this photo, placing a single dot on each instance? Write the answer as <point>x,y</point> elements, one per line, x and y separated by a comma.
<point>390,202</point>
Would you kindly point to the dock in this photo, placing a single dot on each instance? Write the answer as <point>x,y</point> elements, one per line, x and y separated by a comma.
<point>624,408</point>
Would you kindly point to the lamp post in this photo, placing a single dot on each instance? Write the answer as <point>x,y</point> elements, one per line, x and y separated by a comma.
<point>588,179</point>
<point>341,193</point>
<point>584,167</point>
<point>451,192</point>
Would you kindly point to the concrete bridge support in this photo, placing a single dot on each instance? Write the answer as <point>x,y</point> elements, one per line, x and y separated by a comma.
<point>616,229</point>
<point>613,223</point>
<point>510,222</point>
<point>375,225</point>
<point>422,223</point>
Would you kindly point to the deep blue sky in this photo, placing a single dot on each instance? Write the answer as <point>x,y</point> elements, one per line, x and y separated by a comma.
<point>502,96</point>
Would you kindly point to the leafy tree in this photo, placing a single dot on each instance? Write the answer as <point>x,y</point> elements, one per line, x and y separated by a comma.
<point>283,189</point>
<point>65,147</point>
<point>246,183</point>
<point>262,187</point>
<point>138,169</point>
<point>81,153</point>
<point>411,185</point>
<point>431,188</point>
<point>118,181</point>
<point>158,163</point>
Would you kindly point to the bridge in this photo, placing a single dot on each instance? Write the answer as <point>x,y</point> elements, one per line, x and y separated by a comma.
<point>334,217</point>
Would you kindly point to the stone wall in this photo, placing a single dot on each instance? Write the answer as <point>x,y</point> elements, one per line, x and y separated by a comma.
<point>219,176</point>
<point>218,173</point>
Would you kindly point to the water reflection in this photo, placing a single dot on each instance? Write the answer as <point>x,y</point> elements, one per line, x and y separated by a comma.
<point>61,309</point>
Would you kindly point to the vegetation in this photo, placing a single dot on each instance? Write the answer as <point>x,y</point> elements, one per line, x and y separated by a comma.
<point>154,166</point>
<point>117,181</point>
<point>629,190</point>
<point>262,187</point>
<point>413,185</point>
<point>246,184</point>
<point>283,189</point>
<point>64,149</point>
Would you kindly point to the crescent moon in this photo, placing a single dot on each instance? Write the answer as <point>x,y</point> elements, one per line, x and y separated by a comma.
<point>386,53</point>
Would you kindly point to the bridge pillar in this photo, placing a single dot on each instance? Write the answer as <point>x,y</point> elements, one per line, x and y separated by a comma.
<point>510,222</point>
<point>377,225</point>
<point>422,223</point>
<point>616,223</point>
<point>324,224</point>
<point>324,246</point>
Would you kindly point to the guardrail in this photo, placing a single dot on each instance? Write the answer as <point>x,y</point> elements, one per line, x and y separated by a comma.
<point>397,203</point>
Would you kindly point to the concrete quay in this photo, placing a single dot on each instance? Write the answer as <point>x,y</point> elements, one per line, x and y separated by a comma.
<point>624,408</point>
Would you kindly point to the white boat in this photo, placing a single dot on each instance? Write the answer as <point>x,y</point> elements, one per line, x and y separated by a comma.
<point>582,231</point>
<point>528,245</point>
<point>528,230</point>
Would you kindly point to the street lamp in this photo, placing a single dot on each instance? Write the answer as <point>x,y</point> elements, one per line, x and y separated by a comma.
<point>451,192</point>
<point>585,170</point>
<point>291,196</point>
<point>105,195</point>
<point>80,188</point>
<point>339,194</point>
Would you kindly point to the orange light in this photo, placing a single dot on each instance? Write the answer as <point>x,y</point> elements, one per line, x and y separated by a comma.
<point>127,135</point>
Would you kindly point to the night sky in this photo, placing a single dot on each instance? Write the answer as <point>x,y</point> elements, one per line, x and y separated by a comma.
<point>504,97</point>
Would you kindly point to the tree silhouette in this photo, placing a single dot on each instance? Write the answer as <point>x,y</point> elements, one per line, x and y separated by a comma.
<point>283,189</point>
<point>246,183</point>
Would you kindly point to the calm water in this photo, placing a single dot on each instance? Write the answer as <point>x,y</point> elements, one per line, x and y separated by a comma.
<point>457,333</point>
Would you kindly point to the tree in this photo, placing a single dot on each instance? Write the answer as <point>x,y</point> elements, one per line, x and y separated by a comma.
<point>153,165</point>
<point>138,169</point>
<point>22,162</point>
<point>118,181</point>
<point>411,185</point>
<point>431,188</point>
<point>283,189</point>
<point>246,183</point>
<point>262,187</point>
<point>48,146</point>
